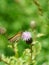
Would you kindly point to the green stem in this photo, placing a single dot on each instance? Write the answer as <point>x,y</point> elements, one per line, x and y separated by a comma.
<point>31,54</point>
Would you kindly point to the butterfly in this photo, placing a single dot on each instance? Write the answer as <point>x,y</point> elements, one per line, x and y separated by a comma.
<point>16,37</point>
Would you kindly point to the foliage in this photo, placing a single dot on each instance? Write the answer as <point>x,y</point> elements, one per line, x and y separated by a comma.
<point>15,16</point>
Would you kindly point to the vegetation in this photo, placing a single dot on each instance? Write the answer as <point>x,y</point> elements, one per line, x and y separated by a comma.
<point>20,16</point>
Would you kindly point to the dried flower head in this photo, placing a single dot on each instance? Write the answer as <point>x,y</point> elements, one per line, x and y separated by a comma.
<point>2,30</point>
<point>26,36</point>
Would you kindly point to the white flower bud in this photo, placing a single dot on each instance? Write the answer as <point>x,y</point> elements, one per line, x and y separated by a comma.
<point>33,24</point>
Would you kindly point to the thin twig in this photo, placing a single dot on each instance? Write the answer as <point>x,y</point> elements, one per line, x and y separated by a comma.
<point>39,6</point>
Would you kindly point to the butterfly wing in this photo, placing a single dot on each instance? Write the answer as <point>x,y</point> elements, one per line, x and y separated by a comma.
<point>15,37</point>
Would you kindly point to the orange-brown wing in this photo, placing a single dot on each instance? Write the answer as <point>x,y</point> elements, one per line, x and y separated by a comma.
<point>15,37</point>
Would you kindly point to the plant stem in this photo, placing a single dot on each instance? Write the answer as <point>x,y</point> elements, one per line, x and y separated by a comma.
<point>31,54</point>
<point>39,7</point>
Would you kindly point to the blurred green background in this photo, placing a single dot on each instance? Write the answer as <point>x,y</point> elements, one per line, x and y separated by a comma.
<point>16,15</point>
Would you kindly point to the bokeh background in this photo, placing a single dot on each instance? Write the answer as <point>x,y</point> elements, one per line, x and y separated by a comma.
<point>16,15</point>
